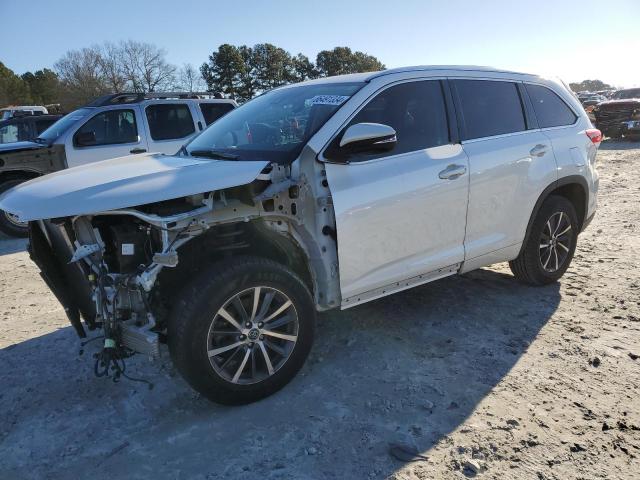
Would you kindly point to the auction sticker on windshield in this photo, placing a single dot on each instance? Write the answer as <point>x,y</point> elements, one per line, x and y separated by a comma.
<point>327,100</point>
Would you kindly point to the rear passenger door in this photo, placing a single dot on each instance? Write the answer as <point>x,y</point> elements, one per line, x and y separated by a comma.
<point>560,124</point>
<point>170,124</point>
<point>109,133</point>
<point>511,163</point>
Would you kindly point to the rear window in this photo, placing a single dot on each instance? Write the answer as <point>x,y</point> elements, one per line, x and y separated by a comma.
<point>213,111</point>
<point>42,125</point>
<point>550,109</point>
<point>169,121</point>
<point>489,108</point>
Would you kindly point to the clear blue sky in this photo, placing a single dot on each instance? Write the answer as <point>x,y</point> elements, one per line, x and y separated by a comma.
<point>574,39</point>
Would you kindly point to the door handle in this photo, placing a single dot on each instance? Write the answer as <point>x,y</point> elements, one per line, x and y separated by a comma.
<point>137,150</point>
<point>452,172</point>
<point>538,151</point>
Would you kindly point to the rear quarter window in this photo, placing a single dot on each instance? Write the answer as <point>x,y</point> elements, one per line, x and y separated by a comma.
<point>213,111</point>
<point>550,109</point>
<point>489,108</point>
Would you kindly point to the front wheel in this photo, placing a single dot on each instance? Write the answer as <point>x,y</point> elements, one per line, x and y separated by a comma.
<point>9,223</point>
<point>552,241</point>
<point>242,330</point>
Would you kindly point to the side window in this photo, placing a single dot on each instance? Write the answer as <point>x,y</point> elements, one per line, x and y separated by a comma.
<point>213,111</point>
<point>489,107</point>
<point>42,125</point>
<point>110,127</point>
<point>551,111</point>
<point>415,110</point>
<point>14,132</point>
<point>168,121</point>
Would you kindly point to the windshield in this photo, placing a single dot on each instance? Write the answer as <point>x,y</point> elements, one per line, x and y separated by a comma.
<point>274,126</point>
<point>624,94</point>
<point>54,131</point>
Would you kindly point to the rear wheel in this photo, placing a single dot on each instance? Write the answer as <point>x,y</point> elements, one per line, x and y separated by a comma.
<point>551,244</point>
<point>242,331</point>
<point>9,223</point>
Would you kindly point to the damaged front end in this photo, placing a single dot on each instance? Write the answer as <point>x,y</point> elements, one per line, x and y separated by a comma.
<point>120,270</point>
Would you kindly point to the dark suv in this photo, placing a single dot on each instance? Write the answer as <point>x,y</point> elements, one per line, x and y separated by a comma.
<point>620,116</point>
<point>26,127</point>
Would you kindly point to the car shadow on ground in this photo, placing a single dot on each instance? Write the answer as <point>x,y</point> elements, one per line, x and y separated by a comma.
<point>406,369</point>
<point>10,245</point>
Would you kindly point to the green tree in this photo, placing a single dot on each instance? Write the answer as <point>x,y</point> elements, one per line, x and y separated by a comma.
<point>13,89</point>
<point>224,71</point>
<point>341,60</point>
<point>271,66</point>
<point>303,69</point>
<point>247,87</point>
<point>44,86</point>
<point>589,86</point>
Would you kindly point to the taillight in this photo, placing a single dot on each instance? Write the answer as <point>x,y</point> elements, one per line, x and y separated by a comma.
<point>594,135</point>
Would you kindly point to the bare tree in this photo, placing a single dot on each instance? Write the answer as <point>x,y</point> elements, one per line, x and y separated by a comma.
<point>145,67</point>
<point>112,67</point>
<point>190,79</point>
<point>81,74</point>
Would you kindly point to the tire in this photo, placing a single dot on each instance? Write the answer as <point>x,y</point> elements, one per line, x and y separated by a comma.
<point>198,326</point>
<point>537,265</point>
<point>8,223</point>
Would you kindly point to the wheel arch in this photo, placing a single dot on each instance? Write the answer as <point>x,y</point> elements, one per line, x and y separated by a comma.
<point>233,240</point>
<point>18,174</point>
<point>572,187</point>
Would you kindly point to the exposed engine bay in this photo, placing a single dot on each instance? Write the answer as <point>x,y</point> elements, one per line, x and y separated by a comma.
<point>120,270</point>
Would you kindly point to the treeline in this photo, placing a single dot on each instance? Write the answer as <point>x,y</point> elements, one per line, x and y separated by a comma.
<point>240,72</point>
<point>590,86</point>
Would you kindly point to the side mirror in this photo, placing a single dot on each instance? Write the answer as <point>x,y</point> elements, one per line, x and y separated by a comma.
<point>368,137</point>
<point>85,139</point>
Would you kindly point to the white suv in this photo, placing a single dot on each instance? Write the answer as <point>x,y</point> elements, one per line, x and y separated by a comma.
<point>321,195</point>
<point>127,123</point>
<point>111,126</point>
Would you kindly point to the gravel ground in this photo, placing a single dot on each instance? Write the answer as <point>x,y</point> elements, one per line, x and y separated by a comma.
<point>480,375</point>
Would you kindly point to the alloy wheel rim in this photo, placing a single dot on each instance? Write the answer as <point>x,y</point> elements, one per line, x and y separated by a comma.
<point>252,335</point>
<point>13,220</point>
<point>555,242</point>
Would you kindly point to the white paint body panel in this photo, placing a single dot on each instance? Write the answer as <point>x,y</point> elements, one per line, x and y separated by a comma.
<point>505,183</point>
<point>123,182</point>
<point>396,218</point>
<point>77,156</point>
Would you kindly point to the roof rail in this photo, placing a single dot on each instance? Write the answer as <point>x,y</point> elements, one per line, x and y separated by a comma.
<point>133,97</point>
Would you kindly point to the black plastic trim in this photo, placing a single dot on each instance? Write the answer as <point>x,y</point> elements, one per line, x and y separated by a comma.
<point>568,180</point>
<point>452,114</point>
<point>529,112</point>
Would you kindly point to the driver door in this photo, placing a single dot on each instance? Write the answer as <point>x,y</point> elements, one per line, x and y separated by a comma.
<point>400,214</point>
<point>110,133</point>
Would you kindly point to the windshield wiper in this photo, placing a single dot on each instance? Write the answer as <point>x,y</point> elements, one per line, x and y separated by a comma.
<point>213,154</point>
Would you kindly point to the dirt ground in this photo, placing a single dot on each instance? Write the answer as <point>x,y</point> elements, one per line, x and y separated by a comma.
<point>483,376</point>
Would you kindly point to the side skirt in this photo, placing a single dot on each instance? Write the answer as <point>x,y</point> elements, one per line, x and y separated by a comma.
<point>399,286</point>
